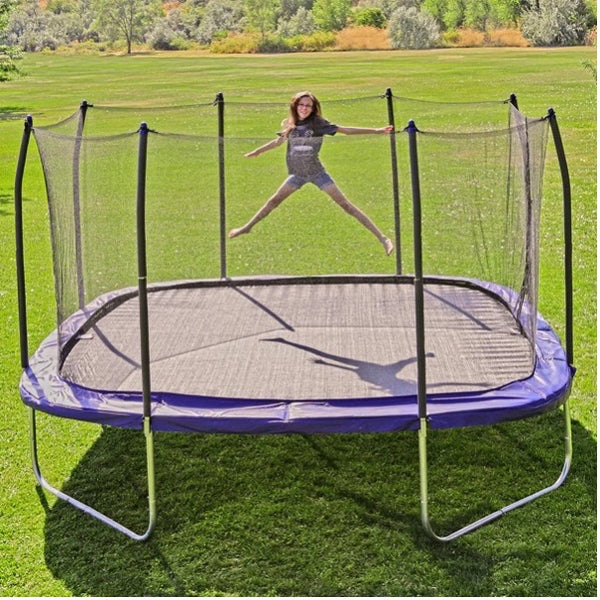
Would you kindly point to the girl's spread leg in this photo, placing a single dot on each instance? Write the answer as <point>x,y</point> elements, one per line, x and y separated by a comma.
<point>274,201</point>
<point>338,197</point>
<point>388,245</point>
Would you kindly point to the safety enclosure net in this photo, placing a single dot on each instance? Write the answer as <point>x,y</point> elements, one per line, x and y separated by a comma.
<point>480,170</point>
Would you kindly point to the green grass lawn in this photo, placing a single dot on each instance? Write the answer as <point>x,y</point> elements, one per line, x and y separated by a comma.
<point>327,515</point>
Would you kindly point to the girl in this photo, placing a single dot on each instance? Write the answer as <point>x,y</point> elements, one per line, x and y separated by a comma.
<point>304,130</point>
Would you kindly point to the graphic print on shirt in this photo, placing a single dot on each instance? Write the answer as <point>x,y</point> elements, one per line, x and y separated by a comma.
<point>304,144</point>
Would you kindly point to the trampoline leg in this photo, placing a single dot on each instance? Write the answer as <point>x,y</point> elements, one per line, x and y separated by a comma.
<point>88,509</point>
<point>498,513</point>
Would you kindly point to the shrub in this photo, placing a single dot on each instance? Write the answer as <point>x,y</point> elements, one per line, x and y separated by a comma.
<point>272,44</point>
<point>591,36</point>
<point>505,37</point>
<point>163,37</point>
<point>236,43</point>
<point>588,65</point>
<point>220,16</point>
<point>450,37</point>
<point>251,43</point>
<point>388,7</point>
<point>556,23</point>
<point>471,38</point>
<point>301,23</point>
<point>180,43</point>
<point>411,29</point>
<point>369,16</point>
<point>467,38</point>
<point>362,38</point>
<point>172,32</point>
<point>8,65</point>
<point>316,42</point>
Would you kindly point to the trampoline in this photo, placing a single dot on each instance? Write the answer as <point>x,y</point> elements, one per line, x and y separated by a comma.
<point>309,354</point>
<point>300,355</point>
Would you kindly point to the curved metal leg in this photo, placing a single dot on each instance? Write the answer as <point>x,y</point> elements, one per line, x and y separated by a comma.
<point>498,513</point>
<point>88,509</point>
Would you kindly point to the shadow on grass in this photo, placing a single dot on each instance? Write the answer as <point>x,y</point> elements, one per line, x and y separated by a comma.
<point>6,204</point>
<point>12,113</point>
<point>332,515</point>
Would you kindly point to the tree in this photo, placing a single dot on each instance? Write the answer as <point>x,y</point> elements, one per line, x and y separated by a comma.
<point>289,8</point>
<point>219,18</point>
<point>507,11</point>
<point>127,19</point>
<point>172,32</point>
<point>389,7</point>
<point>331,15</point>
<point>301,22</point>
<point>8,54</point>
<point>262,15</point>
<point>556,23</point>
<point>477,14</point>
<point>369,16</point>
<point>454,15</point>
<point>6,6</point>
<point>411,29</point>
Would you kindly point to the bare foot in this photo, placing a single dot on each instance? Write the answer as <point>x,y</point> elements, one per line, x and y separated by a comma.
<point>238,231</point>
<point>387,245</point>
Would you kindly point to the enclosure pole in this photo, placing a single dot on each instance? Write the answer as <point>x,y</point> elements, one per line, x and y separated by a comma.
<point>567,220</point>
<point>420,321</point>
<point>77,204</point>
<point>142,267</point>
<point>523,132</point>
<point>20,254</point>
<point>420,324</point>
<point>220,102</point>
<point>513,102</point>
<point>144,321</point>
<point>393,154</point>
<point>418,278</point>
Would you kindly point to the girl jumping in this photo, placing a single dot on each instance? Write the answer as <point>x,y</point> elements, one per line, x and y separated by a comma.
<point>304,130</point>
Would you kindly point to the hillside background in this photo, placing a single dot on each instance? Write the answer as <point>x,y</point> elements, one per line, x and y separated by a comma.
<point>276,26</point>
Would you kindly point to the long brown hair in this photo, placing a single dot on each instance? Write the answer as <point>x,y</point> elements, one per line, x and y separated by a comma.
<point>290,122</point>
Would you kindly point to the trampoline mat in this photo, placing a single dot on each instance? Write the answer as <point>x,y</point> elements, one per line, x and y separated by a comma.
<point>303,342</point>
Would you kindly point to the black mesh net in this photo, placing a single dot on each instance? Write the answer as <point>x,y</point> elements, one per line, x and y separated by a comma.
<point>481,202</point>
<point>480,169</point>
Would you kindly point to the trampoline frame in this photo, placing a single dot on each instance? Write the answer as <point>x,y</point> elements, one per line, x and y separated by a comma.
<point>419,306</point>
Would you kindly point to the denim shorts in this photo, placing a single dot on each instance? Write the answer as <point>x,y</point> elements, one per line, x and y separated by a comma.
<point>321,180</point>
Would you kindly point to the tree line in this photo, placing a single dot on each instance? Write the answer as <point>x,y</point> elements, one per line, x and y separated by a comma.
<point>34,25</point>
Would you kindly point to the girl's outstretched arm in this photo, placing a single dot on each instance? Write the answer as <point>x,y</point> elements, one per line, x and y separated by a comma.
<point>356,130</point>
<point>268,146</point>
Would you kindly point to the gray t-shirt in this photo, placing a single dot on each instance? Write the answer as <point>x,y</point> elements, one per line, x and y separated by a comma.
<point>304,144</point>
